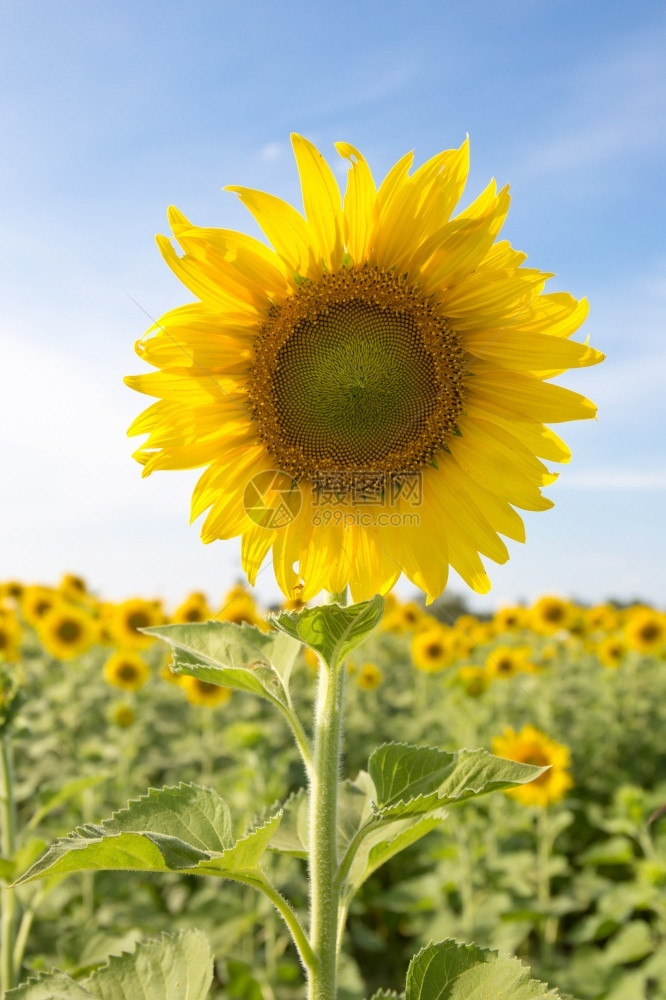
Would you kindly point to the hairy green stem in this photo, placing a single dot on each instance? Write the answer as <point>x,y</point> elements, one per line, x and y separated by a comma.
<point>8,842</point>
<point>324,891</point>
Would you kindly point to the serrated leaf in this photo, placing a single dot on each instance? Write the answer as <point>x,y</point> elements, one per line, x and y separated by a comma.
<point>291,837</point>
<point>246,853</point>
<point>175,829</point>
<point>177,967</point>
<point>412,779</point>
<point>387,995</point>
<point>53,986</point>
<point>230,655</point>
<point>331,630</point>
<point>384,843</point>
<point>453,971</point>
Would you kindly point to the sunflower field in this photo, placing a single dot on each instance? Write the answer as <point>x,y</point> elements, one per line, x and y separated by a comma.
<point>567,872</point>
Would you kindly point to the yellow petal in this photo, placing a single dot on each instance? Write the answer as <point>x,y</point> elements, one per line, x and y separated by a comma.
<point>285,228</point>
<point>361,211</point>
<point>321,200</point>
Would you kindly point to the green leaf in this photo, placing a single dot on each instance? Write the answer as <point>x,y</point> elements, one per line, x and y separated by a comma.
<point>365,841</point>
<point>230,655</point>
<point>291,837</point>
<point>631,943</point>
<point>412,779</point>
<point>186,829</point>
<point>454,971</point>
<point>384,843</point>
<point>177,967</point>
<point>53,986</point>
<point>332,631</point>
<point>245,854</point>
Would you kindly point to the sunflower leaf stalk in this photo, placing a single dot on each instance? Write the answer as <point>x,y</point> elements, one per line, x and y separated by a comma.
<point>323,859</point>
<point>8,840</point>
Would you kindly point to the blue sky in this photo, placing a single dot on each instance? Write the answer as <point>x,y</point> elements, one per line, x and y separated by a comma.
<point>112,111</point>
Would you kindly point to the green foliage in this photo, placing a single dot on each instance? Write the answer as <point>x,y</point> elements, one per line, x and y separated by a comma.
<point>333,631</point>
<point>177,967</point>
<point>235,656</point>
<point>187,828</point>
<point>412,779</point>
<point>454,971</point>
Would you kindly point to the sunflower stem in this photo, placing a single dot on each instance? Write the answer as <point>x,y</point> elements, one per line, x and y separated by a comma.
<point>324,890</point>
<point>8,843</point>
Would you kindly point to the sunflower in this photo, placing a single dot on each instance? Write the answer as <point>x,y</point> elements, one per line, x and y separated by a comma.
<point>124,621</point>
<point>381,357</point>
<point>203,693</point>
<point>646,630</point>
<point>507,661</point>
<point>194,608</point>
<point>126,670</point>
<point>122,715</point>
<point>73,587</point>
<point>474,680</point>
<point>551,614</point>
<point>601,618</point>
<point>239,606</point>
<point>37,602</point>
<point>431,650</point>
<point>66,631</point>
<point>12,590</point>
<point>531,746</point>
<point>403,618</point>
<point>368,676</point>
<point>10,637</point>
<point>612,650</point>
<point>510,619</point>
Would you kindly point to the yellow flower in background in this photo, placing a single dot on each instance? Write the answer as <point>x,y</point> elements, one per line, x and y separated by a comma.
<point>194,608</point>
<point>73,587</point>
<point>511,619</point>
<point>369,676</point>
<point>11,590</point>
<point>239,606</point>
<point>551,614</point>
<point>403,618</point>
<point>126,670</point>
<point>122,715</point>
<point>202,693</point>
<point>311,659</point>
<point>474,680</point>
<point>37,602</point>
<point>126,619</point>
<point>10,637</point>
<point>431,650</point>
<point>380,349</point>
<point>645,630</point>
<point>531,746</point>
<point>507,661</point>
<point>612,650</point>
<point>66,631</point>
<point>601,618</point>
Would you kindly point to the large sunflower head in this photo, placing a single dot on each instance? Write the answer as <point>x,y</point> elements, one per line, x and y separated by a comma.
<point>369,394</point>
